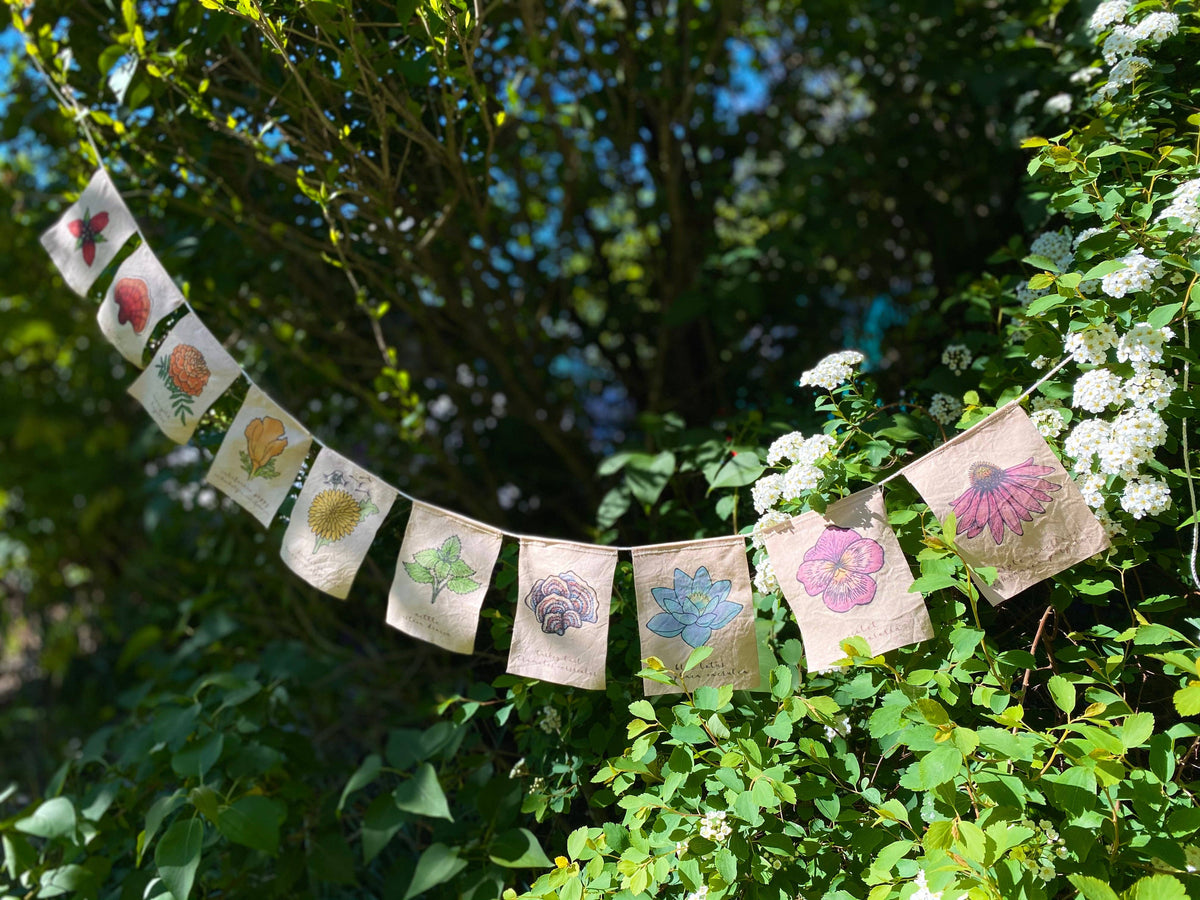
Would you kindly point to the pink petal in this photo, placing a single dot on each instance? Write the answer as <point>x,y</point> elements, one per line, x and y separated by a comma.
<point>850,589</point>
<point>815,575</point>
<point>832,543</point>
<point>994,520</point>
<point>864,556</point>
<point>1027,468</point>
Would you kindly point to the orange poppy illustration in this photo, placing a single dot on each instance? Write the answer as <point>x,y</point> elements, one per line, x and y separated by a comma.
<point>265,440</point>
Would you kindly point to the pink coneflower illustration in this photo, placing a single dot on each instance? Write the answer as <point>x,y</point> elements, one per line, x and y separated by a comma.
<point>1002,498</point>
<point>839,566</point>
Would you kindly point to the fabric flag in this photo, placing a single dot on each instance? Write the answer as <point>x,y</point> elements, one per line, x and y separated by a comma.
<point>188,373</point>
<point>442,575</point>
<point>260,456</point>
<point>89,234</point>
<point>843,575</point>
<point>694,594</point>
<point>141,294</point>
<point>1015,506</point>
<point>560,632</point>
<point>337,514</point>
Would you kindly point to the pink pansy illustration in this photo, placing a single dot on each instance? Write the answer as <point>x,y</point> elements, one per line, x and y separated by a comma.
<point>839,568</point>
<point>1002,498</point>
<point>86,232</point>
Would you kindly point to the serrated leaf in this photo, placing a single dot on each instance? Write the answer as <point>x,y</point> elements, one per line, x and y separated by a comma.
<point>419,573</point>
<point>1062,692</point>
<point>1092,888</point>
<point>451,548</point>
<point>1187,700</point>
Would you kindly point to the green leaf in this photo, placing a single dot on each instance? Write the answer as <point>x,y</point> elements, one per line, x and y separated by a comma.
<point>577,841</point>
<point>422,794</point>
<point>451,548</point>
<point>1157,887</point>
<point>1162,316</point>
<point>1187,700</point>
<point>427,558</point>
<point>462,585</point>
<point>1136,729</point>
<point>1040,281</point>
<point>177,856</point>
<point>738,469</point>
<point>419,573</point>
<point>196,758</point>
<point>437,865</point>
<point>1105,268</point>
<point>517,848</point>
<point>697,656</point>
<point>69,879</point>
<point>1092,888</point>
<point>460,568</point>
<point>647,475</point>
<point>1062,692</point>
<point>380,823</point>
<point>53,819</point>
<point>939,765</point>
<point>1041,262</point>
<point>158,812</point>
<point>643,710</point>
<point>363,775</point>
<point>253,821</point>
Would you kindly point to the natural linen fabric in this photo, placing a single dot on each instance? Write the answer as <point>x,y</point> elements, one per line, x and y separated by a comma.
<point>843,575</point>
<point>140,295</point>
<point>692,594</point>
<point>88,236</point>
<point>260,457</point>
<point>442,576</point>
<point>188,373</point>
<point>334,521</point>
<point>1015,506</point>
<point>560,630</point>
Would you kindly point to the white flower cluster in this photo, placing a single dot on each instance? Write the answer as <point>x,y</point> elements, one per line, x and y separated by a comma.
<point>945,409</point>
<point>1149,388</point>
<point>833,370</point>
<point>1123,73</point>
<point>766,492</point>
<point>1138,275</point>
<point>1185,205</point>
<point>798,481</point>
<point>1119,44</point>
<point>1049,846</point>
<point>798,449</point>
<point>839,727</point>
<point>957,357</point>
<point>768,519</point>
<point>1143,343</point>
<point>1086,233</point>
<point>1056,247</point>
<point>1085,75</point>
<point>1107,14</point>
<point>699,894</point>
<point>1058,105</point>
<point>1091,345</point>
<point>714,828</point>
<point>519,769</point>
<point>1145,496</point>
<point>1153,30</point>
<point>1097,390</point>
<point>549,721</point>
<point>765,580</point>
<point>1048,422</point>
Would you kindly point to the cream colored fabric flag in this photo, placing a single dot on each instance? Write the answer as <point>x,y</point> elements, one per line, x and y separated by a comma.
<point>260,457</point>
<point>188,373</point>
<point>844,575</point>
<point>692,594</point>
<point>141,294</point>
<point>89,234</point>
<point>1015,506</point>
<point>560,632</point>
<point>442,575</point>
<point>337,514</point>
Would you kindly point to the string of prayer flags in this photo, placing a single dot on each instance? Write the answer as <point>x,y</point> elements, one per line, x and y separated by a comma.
<point>1015,506</point>
<point>337,514</point>
<point>844,575</point>
<point>90,234</point>
<point>695,594</point>
<point>190,371</point>
<point>260,457</point>
<point>442,576</point>
<point>560,630</point>
<point>140,295</point>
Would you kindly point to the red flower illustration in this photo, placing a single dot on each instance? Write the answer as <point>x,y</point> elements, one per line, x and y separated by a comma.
<point>1002,498</point>
<point>86,232</point>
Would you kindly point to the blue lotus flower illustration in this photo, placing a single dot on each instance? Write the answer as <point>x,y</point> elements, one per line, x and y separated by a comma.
<point>694,608</point>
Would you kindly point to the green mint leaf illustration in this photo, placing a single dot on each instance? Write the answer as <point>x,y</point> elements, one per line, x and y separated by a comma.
<point>418,573</point>
<point>441,570</point>
<point>462,585</point>
<point>427,558</point>
<point>451,549</point>
<point>460,569</point>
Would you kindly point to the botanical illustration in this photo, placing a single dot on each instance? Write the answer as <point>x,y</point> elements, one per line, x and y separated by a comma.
<point>265,440</point>
<point>1000,499</point>
<point>838,568</point>
<point>86,232</point>
<point>443,568</point>
<point>336,511</point>
<point>562,601</point>
<point>132,297</point>
<point>694,608</point>
<point>185,373</point>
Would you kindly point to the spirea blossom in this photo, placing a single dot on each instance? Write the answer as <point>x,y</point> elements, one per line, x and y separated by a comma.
<point>549,721</point>
<point>945,409</point>
<point>1090,346</point>
<point>1084,76</point>
<point>1132,439</point>
<point>1058,105</point>
<point>769,519</point>
<point>1085,441</point>
<point>713,827</point>
<point>957,357</point>
<point>1123,73</point>
<point>798,481</point>
<point>1048,422</point>
<point>1156,27</point>
<point>1055,246</point>
<point>1107,14</point>
<point>1149,388</point>
<point>1090,486</point>
<point>1096,390</point>
<point>797,448</point>
<point>1087,232</point>
<point>1184,205</point>
<point>833,370</point>
<point>1138,275</point>
<point>1143,343</point>
<point>1039,362</point>
<point>1119,44</point>
<point>1111,527</point>
<point>765,580</point>
<point>765,492</point>
<point>1145,497</point>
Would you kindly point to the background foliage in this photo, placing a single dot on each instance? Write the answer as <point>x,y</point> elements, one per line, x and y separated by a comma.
<point>559,266</point>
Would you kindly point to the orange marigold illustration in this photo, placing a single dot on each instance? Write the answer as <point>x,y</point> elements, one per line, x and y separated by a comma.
<point>265,440</point>
<point>188,369</point>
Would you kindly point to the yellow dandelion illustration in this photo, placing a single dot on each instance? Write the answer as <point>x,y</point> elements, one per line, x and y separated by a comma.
<point>333,515</point>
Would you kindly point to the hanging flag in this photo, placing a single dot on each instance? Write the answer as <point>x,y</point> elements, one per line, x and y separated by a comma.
<point>1015,506</point>
<point>188,373</point>
<point>442,575</point>
<point>140,295</point>
<point>695,594</point>
<point>560,631</point>
<point>334,521</point>
<point>844,575</point>
<point>89,234</point>
<point>260,456</point>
